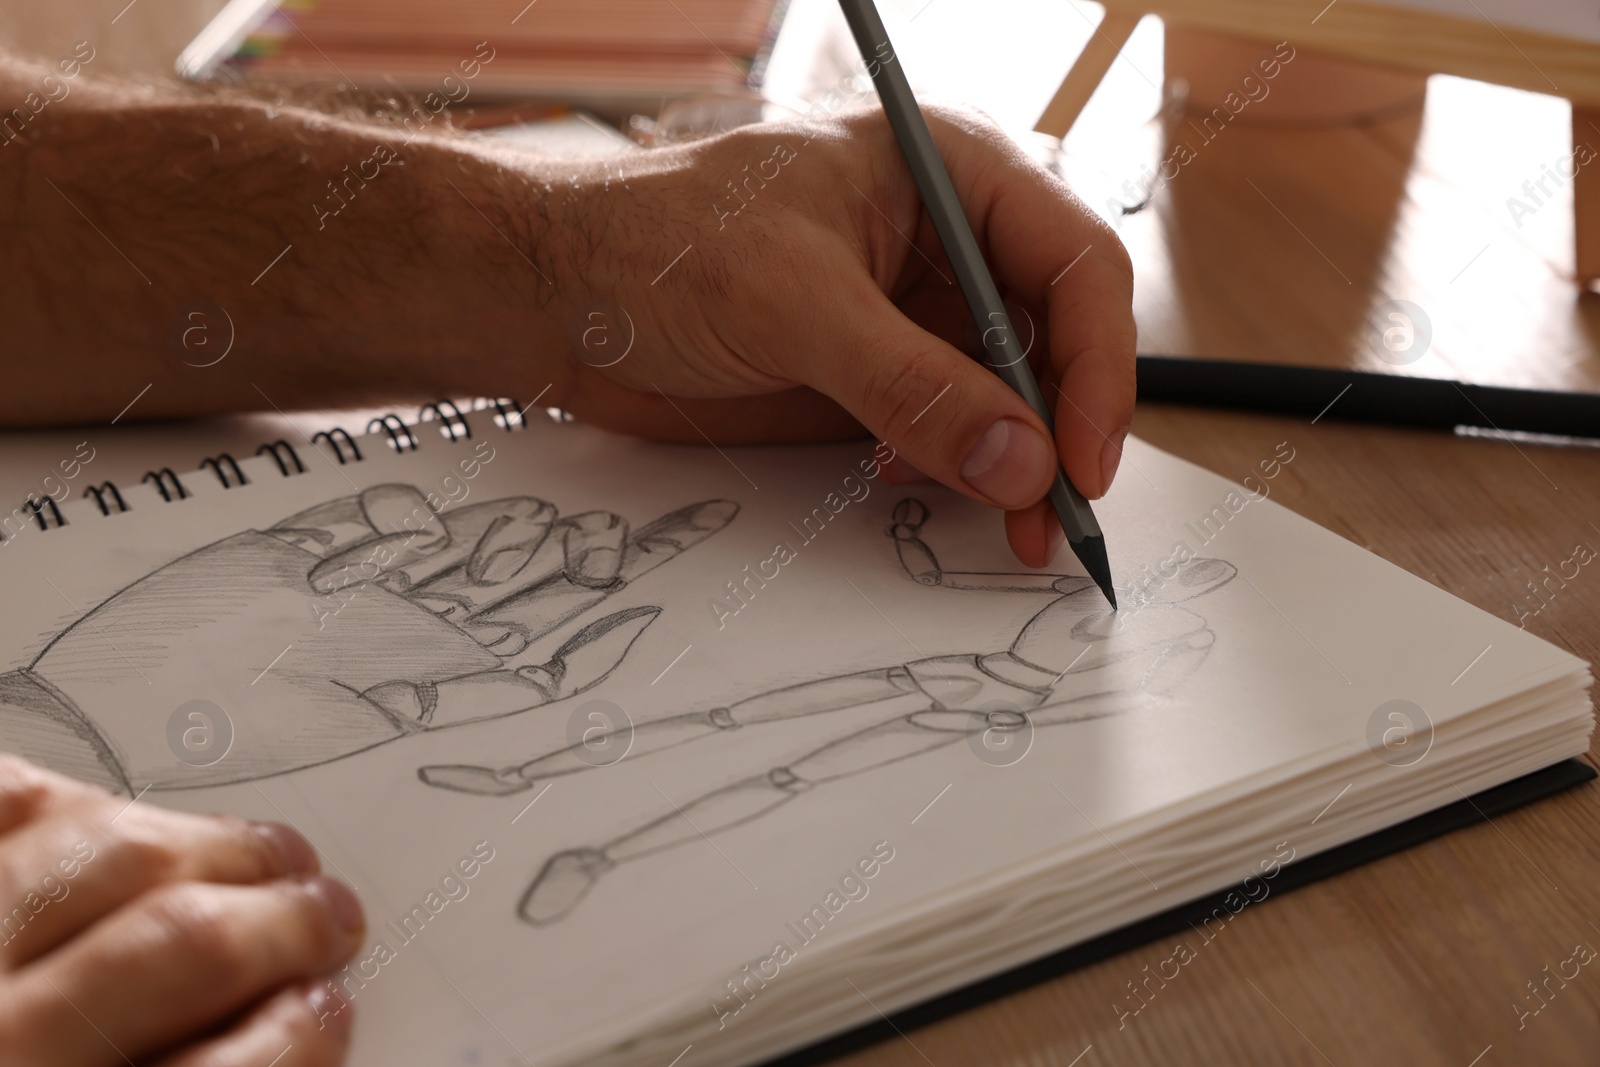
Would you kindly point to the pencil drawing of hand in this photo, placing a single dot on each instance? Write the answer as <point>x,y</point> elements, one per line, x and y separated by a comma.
<point>392,618</point>
<point>507,573</point>
<point>1072,661</point>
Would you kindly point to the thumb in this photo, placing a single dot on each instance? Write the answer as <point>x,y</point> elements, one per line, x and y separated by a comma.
<point>946,414</point>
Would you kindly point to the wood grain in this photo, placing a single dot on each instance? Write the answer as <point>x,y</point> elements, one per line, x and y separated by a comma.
<point>1281,238</point>
<point>1401,37</point>
<point>1586,195</point>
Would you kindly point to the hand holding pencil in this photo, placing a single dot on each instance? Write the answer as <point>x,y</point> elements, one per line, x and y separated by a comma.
<point>779,282</point>
<point>1002,348</point>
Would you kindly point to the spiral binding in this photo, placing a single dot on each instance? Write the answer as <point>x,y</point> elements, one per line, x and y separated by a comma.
<point>450,421</point>
<point>337,443</point>
<point>271,448</point>
<point>216,462</point>
<point>38,506</point>
<point>161,478</point>
<point>99,492</point>
<point>453,423</point>
<point>401,438</point>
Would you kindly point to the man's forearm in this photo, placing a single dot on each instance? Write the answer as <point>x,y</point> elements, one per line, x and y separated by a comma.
<point>150,231</point>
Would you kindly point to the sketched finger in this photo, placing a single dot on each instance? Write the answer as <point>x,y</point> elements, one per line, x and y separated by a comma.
<point>540,607</point>
<point>326,529</point>
<point>570,573</point>
<point>586,657</point>
<point>509,544</point>
<point>593,548</point>
<point>516,557</point>
<point>673,534</point>
<point>405,529</point>
<point>582,661</point>
<point>493,540</point>
<point>349,521</point>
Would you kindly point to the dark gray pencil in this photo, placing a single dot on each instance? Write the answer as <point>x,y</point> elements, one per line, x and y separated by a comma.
<point>1005,358</point>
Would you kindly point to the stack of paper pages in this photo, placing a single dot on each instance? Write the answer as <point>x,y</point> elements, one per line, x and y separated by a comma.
<point>652,755</point>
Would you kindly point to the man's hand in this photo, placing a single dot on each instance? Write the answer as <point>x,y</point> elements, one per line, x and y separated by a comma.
<point>129,933</point>
<point>779,282</point>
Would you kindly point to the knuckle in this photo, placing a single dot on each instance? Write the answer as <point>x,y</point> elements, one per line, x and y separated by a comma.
<point>24,802</point>
<point>1117,254</point>
<point>26,789</point>
<point>15,769</point>
<point>261,856</point>
<point>318,938</point>
<point>898,385</point>
<point>151,855</point>
<point>968,121</point>
<point>198,935</point>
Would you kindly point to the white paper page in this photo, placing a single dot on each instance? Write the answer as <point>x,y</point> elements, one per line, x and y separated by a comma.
<point>842,700</point>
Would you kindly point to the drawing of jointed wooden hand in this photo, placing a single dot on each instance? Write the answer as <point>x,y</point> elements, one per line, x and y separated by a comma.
<point>506,572</point>
<point>392,619</point>
<point>1073,660</point>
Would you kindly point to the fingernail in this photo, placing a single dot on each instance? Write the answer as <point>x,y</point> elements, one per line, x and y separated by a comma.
<point>599,566</point>
<point>1010,464</point>
<point>1111,457</point>
<point>339,900</point>
<point>507,546</point>
<point>499,566</point>
<point>298,855</point>
<point>333,1012</point>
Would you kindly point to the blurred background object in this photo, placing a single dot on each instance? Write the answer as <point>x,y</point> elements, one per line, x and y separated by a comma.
<point>612,56</point>
<point>1282,236</point>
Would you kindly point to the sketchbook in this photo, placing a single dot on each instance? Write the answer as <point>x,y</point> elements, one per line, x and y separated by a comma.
<point>645,754</point>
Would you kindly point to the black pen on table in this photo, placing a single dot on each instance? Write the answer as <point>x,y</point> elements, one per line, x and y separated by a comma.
<point>955,232</point>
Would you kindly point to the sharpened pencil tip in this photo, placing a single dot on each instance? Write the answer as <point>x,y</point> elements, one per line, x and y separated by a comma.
<point>1091,552</point>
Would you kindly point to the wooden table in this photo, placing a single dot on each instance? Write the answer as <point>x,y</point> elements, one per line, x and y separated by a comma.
<point>1274,244</point>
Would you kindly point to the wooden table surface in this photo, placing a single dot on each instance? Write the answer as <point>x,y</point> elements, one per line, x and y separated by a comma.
<point>1276,243</point>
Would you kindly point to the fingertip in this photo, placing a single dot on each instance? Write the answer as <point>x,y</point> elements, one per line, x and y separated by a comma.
<point>1055,536</point>
<point>338,900</point>
<point>1034,534</point>
<point>1093,414</point>
<point>1111,459</point>
<point>294,852</point>
<point>333,1013</point>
